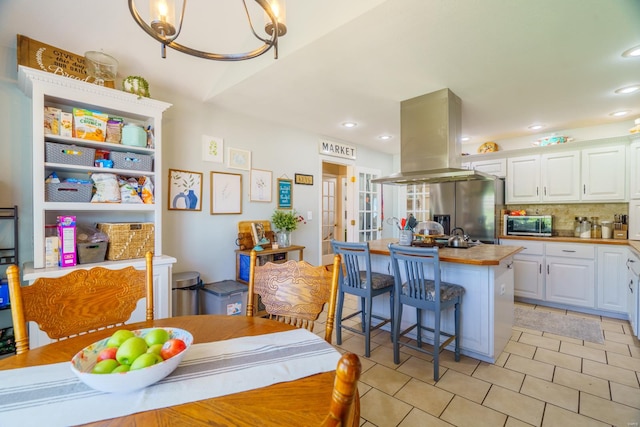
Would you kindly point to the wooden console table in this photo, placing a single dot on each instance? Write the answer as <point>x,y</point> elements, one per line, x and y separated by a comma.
<point>266,255</point>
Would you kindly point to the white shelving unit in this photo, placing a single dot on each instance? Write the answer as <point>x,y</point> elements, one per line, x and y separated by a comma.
<point>47,89</point>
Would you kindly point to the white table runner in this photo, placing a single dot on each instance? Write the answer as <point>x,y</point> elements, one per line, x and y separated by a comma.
<point>51,395</point>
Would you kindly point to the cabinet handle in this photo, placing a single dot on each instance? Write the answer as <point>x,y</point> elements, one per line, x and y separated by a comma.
<point>631,285</point>
<point>567,250</point>
<point>584,189</point>
<point>537,192</point>
<point>545,191</point>
<point>510,265</point>
<point>540,265</point>
<point>547,269</point>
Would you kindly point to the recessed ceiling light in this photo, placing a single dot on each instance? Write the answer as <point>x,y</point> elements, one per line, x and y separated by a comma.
<point>620,113</point>
<point>535,127</point>
<point>634,52</point>
<point>385,137</point>
<point>628,89</point>
<point>464,138</point>
<point>349,124</point>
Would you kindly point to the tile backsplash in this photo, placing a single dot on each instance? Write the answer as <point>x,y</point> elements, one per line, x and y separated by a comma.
<point>564,214</point>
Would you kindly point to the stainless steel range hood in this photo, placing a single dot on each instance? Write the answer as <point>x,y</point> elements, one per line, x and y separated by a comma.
<point>430,146</point>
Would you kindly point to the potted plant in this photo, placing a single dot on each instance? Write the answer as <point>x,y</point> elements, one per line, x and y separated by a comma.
<point>285,222</point>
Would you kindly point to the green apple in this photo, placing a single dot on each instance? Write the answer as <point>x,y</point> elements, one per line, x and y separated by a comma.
<point>121,368</point>
<point>105,366</point>
<point>144,360</point>
<point>130,350</point>
<point>156,336</point>
<point>119,337</point>
<point>155,348</point>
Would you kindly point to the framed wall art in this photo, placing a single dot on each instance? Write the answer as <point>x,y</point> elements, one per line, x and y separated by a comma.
<point>285,193</point>
<point>212,149</point>
<point>260,189</point>
<point>226,193</point>
<point>304,179</point>
<point>239,159</point>
<point>185,190</point>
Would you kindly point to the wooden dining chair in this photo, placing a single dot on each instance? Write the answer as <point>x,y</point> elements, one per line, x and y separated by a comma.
<point>294,292</point>
<point>78,302</point>
<point>345,402</point>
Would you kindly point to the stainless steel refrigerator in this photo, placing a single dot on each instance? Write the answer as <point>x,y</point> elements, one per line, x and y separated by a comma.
<point>473,206</point>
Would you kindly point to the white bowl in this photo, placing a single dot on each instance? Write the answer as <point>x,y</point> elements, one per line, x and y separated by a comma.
<point>122,382</point>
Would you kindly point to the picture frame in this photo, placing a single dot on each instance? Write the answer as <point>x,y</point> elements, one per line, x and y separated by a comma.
<point>257,233</point>
<point>303,179</point>
<point>260,186</point>
<point>285,193</point>
<point>212,149</point>
<point>185,190</point>
<point>239,159</point>
<point>226,193</point>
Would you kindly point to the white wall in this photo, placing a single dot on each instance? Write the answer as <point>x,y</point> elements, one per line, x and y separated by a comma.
<point>200,241</point>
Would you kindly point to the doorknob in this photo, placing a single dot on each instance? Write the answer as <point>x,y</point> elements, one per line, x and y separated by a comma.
<point>353,222</point>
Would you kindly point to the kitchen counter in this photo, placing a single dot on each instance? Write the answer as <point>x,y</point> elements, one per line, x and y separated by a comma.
<point>475,255</point>
<point>575,240</point>
<point>486,272</point>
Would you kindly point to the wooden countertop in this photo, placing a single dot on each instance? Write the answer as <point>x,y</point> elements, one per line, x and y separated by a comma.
<point>476,255</point>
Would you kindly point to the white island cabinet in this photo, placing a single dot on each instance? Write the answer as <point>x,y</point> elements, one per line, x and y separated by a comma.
<point>63,93</point>
<point>487,305</point>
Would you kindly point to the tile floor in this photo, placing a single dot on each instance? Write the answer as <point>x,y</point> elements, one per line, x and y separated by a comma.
<point>540,379</point>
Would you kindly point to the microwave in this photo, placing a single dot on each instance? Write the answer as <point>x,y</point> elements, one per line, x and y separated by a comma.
<point>528,225</point>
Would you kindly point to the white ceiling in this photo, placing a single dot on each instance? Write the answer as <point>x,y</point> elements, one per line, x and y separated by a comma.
<point>512,62</point>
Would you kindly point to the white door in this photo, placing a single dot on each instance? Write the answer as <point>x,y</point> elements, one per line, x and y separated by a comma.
<point>603,173</point>
<point>528,281</point>
<point>367,222</point>
<point>560,174</point>
<point>333,207</point>
<point>523,179</point>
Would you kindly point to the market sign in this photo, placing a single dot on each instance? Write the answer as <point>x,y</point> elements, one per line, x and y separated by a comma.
<point>35,54</point>
<point>337,149</point>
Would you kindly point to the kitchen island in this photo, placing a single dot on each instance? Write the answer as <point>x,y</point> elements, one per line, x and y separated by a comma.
<point>486,273</point>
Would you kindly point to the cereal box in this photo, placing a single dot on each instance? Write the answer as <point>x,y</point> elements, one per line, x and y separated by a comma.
<point>67,236</point>
<point>90,125</point>
<point>66,124</point>
<point>52,121</point>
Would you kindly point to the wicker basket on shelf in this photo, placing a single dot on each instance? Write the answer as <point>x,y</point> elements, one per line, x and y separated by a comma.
<point>128,240</point>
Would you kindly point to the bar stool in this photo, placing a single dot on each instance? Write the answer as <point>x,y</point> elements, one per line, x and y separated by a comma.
<point>363,283</point>
<point>411,265</point>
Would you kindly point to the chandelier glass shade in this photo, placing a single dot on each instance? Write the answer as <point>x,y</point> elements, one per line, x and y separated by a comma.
<point>165,23</point>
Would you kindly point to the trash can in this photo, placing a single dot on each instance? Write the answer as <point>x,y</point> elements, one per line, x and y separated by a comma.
<point>227,297</point>
<point>184,293</point>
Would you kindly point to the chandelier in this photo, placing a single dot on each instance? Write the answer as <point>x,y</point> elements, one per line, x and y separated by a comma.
<point>165,23</point>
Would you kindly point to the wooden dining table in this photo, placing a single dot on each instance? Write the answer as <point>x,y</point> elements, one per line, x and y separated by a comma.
<point>303,402</point>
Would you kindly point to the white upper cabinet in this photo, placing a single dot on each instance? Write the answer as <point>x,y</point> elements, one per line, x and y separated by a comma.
<point>604,173</point>
<point>523,179</point>
<point>634,170</point>
<point>552,177</point>
<point>497,167</point>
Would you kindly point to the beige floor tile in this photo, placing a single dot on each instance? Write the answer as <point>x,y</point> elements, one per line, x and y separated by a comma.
<point>562,338</point>
<point>363,388</point>
<point>385,379</point>
<point>618,337</point>
<point>381,337</point>
<point>629,396</point>
<point>524,350</point>
<point>500,376</point>
<point>417,418</point>
<point>426,397</point>
<point>366,424</point>
<point>607,411</point>
<point>611,373</point>
<point>554,417</point>
<point>384,356</point>
<point>465,413</point>
<point>514,422</point>
<point>621,361</point>
<point>582,382</point>
<point>635,351</point>
<point>420,369</point>
<point>383,410</point>
<point>540,341</point>
<point>502,359</point>
<point>416,353</point>
<point>568,361</point>
<point>612,327</point>
<point>515,335</point>
<point>584,352</point>
<point>547,391</point>
<point>463,385</point>
<point>466,365</point>
<point>526,330</point>
<point>355,344</point>
<point>519,406</point>
<point>530,367</point>
<point>611,346</point>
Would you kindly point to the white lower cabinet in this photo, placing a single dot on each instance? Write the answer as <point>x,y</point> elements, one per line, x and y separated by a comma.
<point>570,272</point>
<point>631,288</point>
<point>612,278</point>
<point>528,269</point>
